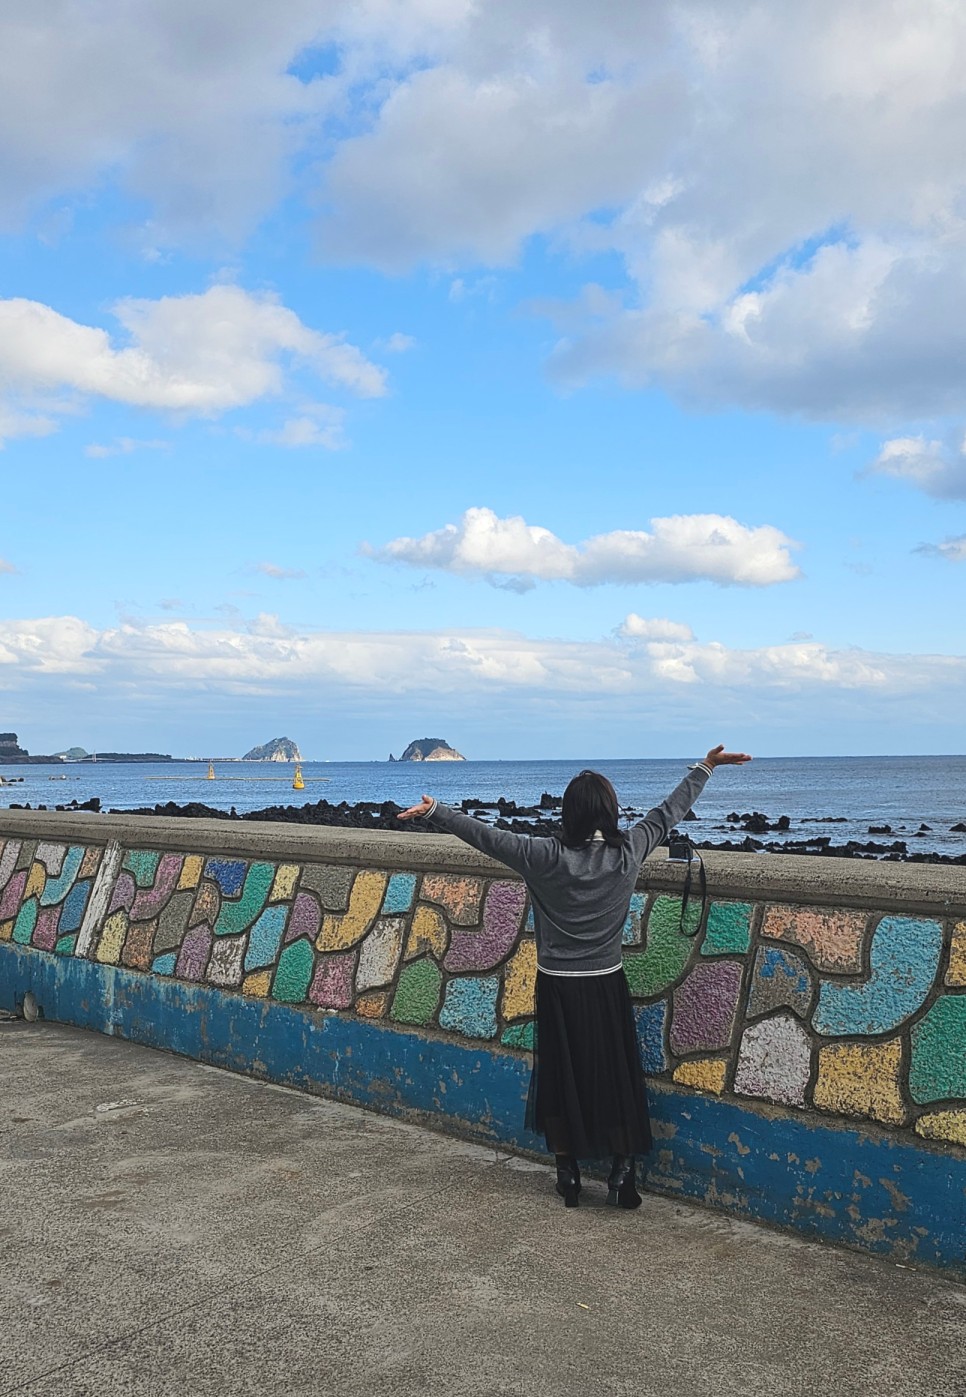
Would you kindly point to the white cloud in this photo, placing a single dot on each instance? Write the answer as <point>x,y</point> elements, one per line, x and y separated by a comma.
<point>17,423</point>
<point>265,657</point>
<point>934,466</point>
<point>197,355</point>
<point>316,425</point>
<point>122,446</point>
<point>952,549</point>
<point>681,548</point>
<point>189,106</point>
<point>6,567</point>
<point>398,343</point>
<point>634,627</point>
<point>785,186</point>
<point>280,573</point>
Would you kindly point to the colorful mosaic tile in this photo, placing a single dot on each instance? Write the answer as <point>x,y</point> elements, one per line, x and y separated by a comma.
<point>236,916</point>
<point>956,973</point>
<point>903,962</point>
<point>943,1125</point>
<point>459,896</point>
<point>331,885</point>
<point>519,1035</point>
<point>774,1060</point>
<point>340,932</point>
<point>332,984</point>
<point>399,893</point>
<point>265,938</point>
<point>728,929</point>
<point>418,993</point>
<point>193,956</point>
<point>704,1073</point>
<point>651,1023</point>
<point>143,864</point>
<point>372,1006</point>
<point>293,974</point>
<point>861,1079</point>
<point>428,932</point>
<point>938,1067</point>
<point>138,951</point>
<point>780,979</point>
<point>229,874</point>
<point>704,1007</point>
<point>485,947</point>
<point>457,954</point>
<point>380,952</point>
<point>469,1006</point>
<point>833,938</point>
<point>226,966</point>
<point>520,981</point>
<point>666,953</point>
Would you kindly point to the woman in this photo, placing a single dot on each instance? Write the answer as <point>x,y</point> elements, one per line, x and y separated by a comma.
<point>587,1090</point>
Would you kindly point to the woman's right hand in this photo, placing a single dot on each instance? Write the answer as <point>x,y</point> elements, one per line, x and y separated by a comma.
<point>415,811</point>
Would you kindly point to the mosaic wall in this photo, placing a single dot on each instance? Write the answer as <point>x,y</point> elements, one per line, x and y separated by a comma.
<point>860,1014</point>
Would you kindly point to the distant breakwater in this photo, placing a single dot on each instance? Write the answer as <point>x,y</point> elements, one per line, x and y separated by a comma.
<point>741,831</point>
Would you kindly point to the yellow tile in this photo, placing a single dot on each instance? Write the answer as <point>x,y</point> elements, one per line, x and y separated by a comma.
<point>6,931</point>
<point>286,877</point>
<point>956,974</point>
<point>112,938</point>
<point>344,929</point>
<point>35,881</point>
<point>704,1073</point>
<point>427,933</point>
<point>520,981</point>
<point>257,984</point>
<point>943,1125</point>
<point>191,871</point>
<point>371,1006</point>
<point>861,1079</point>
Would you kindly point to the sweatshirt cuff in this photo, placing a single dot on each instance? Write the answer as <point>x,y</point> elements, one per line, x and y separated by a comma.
<point>431,811</point>
<point>702,766</point>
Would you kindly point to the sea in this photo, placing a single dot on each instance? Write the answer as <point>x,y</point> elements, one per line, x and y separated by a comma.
<point>905,793</point>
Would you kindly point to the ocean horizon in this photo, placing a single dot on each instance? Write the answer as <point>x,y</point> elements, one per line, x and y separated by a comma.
<point>904,793</point>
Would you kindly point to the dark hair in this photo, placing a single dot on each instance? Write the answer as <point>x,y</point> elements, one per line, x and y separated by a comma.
<point>590,804</point>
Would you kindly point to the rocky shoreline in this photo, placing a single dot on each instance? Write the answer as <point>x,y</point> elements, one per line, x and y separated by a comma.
<point>741,832</point>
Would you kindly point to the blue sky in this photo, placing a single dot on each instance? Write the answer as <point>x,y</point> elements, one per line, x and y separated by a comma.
<point>563,384</point>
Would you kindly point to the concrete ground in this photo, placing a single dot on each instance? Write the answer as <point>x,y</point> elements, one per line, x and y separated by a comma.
<point>175,1231</point>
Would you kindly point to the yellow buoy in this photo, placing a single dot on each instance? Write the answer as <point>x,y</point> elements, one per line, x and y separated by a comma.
<point>298,784</point>
<point>211,771</point>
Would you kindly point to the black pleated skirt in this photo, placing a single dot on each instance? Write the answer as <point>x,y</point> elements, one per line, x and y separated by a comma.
<point>587,1094</point>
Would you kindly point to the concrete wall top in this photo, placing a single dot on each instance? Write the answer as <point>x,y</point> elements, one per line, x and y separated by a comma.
<point>938,890</point>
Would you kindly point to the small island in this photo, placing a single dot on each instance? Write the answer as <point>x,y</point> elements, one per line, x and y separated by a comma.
<point>280,749</point>
<point>429,749</point>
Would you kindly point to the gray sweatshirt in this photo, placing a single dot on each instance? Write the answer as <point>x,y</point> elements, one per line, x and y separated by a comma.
<point>580,897</point>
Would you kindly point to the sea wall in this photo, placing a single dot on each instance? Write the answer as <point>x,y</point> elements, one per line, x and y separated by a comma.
<point>805,1045</point>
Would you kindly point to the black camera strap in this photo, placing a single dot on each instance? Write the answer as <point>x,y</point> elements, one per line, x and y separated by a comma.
<point>694,857</point>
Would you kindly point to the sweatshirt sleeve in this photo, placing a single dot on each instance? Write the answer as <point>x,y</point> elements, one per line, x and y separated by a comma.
<point>515,850</point>
<point>657,823</point>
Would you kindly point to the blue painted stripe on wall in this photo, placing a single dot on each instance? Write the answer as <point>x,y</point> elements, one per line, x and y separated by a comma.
<point>861,1187</point>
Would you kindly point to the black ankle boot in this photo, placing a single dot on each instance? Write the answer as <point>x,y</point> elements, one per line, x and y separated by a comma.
<point>568,1179</point>
<point>622,1184</point>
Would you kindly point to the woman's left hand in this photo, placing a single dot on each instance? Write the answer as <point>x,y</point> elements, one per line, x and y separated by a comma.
<point>414,811</point>
<point>719,757</point>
